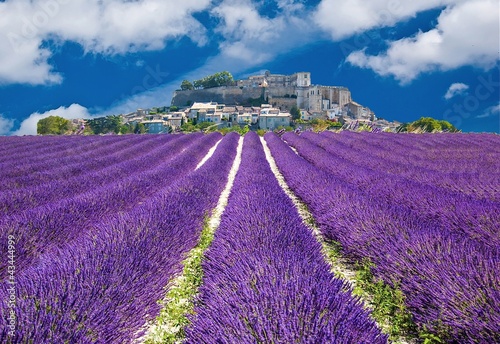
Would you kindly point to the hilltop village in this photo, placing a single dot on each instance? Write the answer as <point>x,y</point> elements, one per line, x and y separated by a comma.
<point>217,102</point>
<point>265,102</point>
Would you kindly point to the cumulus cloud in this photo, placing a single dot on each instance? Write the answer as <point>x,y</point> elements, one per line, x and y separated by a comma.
<point>109,27</point>
<point>253,38</point>
<point>456,89</point>
<point>6,125</point>
<point>490,112</point>
<point>342,19</point>
<point>241,20</point>
<point>28,126</point>
<point>467,34</point>
<point>105,27</point>
<point>245,31</point>
<point>249,39</point>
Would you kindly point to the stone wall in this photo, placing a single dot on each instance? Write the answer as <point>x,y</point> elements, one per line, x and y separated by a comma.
<point>284,104</point>
<point>230,95</point>
<point>314,98</point>
<point>281,91</point>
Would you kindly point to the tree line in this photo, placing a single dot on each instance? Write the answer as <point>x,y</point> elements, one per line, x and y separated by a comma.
<point>428,125</point>
<point>55,125</point>
<point>215,80</point>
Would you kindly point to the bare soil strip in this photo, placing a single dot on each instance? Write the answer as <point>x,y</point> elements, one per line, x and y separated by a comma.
<point>180,291</point>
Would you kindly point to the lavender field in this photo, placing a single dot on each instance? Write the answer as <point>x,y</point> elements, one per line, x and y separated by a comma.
<point>94,229</point>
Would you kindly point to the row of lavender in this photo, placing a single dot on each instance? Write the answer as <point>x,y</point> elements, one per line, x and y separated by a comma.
<point>466,163</point>
<point>265,279</point>
<point>55,177</point>
<point>78,159</point>
<point>438,246</point>
<point>96,277</point>
<point>476,218</point>
<point>59,216</point>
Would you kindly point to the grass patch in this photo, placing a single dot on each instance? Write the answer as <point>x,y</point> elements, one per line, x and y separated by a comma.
<point>178,303</point>
<point>386,302</point>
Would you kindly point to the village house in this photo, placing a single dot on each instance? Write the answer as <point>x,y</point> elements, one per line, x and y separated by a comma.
<point>175,119</point>
<point>215,117</point>
<point>142,112</point>
<point>272,118</point>
<point>245,118</point>
<point>155,126</point>
<point>306,115</point>
<point>335,112</point>
<point>357,111</point>
<point>200,111</point>
<point>229,113</point>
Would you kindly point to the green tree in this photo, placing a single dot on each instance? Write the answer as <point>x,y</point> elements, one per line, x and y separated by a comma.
<point>218,79</point>
<point>244,130</point>
<point>429,125</point>
<point>223,78</point>
<point>139,128</point>
<point>447,126</point>
<point>295,112</point>
<point>197,84</point>
<point>104,125</point>
<point>255,101</point>
<point>188,127</point>
<point>319,125</point>
<point>203,125</point>
<point>403,128</point>
<point>53,125</point>
<point>426,124</point>
<point>335,125</point>
<point>186,85</point>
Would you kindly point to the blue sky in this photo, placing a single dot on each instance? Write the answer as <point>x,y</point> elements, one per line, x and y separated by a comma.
<point>403,59</point>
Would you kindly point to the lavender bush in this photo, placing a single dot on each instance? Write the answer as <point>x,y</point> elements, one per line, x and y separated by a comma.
<point>449,277</point>
<point>266,280</point>
<point>103,285</point>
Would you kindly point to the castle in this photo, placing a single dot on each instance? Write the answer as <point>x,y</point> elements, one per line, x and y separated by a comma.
<point>281,91</point>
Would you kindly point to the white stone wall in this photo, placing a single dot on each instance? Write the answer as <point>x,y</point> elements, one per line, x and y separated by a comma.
<point>302,79</point>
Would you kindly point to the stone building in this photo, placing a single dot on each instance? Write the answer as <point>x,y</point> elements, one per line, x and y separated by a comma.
<point>322,98</point>
<point>272,118</point>
<point>302,79</point>
<point>282,91</point>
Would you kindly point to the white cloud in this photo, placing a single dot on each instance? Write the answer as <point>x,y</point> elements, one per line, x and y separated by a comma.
<point>467,34</point>
<point>28,126</point>
<point>247,44</point>
<point>22,59</point>
<point>342,19</point>
<point>249,41</point>
<point>242,21</point>
<point>107,27</point>
<point>245,31</point>
<point>456,89</point>
<point>6,125</point>
<point>491,111</point>
<point>255,39</point>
